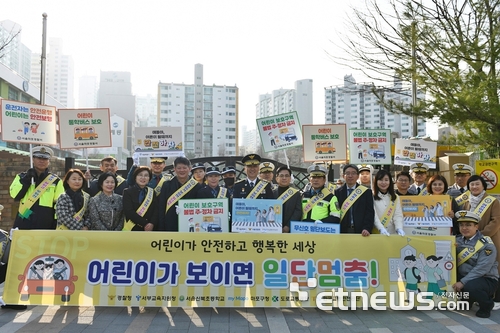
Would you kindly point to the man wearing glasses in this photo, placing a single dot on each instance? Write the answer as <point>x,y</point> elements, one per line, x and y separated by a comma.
<point>292,201</point>
<point>403,181</point>
<point>356,202</point>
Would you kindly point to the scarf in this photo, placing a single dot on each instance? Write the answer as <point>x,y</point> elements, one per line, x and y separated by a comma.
<point>475,200</point>
<point>76,198</point>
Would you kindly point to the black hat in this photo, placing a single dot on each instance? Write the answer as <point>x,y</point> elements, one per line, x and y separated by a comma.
<point>228,169</point>
<point>198,165</point>
<point>251,159</point>
<point>212,170</point>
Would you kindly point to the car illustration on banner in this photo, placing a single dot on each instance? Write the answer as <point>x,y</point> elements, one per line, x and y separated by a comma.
<point>48,274</point>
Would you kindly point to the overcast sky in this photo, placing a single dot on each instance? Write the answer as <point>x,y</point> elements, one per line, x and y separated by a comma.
<point>257,45</point>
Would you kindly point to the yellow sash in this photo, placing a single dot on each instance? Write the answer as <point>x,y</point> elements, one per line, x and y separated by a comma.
<point>387,216</point>
<point>222,192</point>
<point>25,207</point>
<point>468,252</point>
<point>462,198</point>
<point>78,215</point>
<point>424,192</point>
<point>315,199</point>
<point>182,191</point>
<point>484,205</point>
<point>349,201</point>
<point>120,180</point>
<point>257,189</point>
<point>143,208</point>
<point>287,194</point>
<point>163,179</point>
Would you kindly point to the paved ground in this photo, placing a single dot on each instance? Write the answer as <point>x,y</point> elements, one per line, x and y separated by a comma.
<point>117,319</point>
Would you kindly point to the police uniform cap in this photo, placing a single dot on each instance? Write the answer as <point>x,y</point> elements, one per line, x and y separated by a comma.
<point>419,167</point>
<point>228,169</point>
<point>365,167</point>
<point>198,165</point>
<point>251,159</point>
<point>461,168</point>
<point>266,167</point>
<point>467,216</point>
<point>158,159</point>
<point>212,170</point>
<point>42,152</point>
<point>316,170</point>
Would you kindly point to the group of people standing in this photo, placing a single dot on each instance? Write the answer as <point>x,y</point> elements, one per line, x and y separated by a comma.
<point>148,201</point>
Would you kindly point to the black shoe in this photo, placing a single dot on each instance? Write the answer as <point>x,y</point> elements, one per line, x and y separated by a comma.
<point>14,307</point>
<point>484,313</point>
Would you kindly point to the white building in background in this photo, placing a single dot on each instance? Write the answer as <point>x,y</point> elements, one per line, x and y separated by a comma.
<point>15,55</point>
<point>115,93</point>
<point>87,91</point>
<point>146,114</point>
<point>356,106</point>
<point>249,141</point>
<point>280,101</point>
<point>208,115</point>
<point>59,75</point>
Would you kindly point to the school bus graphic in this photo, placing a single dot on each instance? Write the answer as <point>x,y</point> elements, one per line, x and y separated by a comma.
<point>48,274</point>
<point>85,133</point>
<point>325,147</point>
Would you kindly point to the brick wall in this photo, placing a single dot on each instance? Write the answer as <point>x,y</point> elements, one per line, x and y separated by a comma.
<point>10,166</point>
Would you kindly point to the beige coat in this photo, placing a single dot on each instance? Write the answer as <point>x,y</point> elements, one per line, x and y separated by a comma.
<point>490,224</point>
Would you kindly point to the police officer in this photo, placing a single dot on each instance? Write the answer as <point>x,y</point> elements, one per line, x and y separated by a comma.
<point>157,178</point>
<point>266,173</point>
<point>212,189</point>
<point>198,172</point>
<point>462,173</point>
<point>419,174</point>
<point>252,187</point>
<point>319,202</point>
<point>476,263</point>
<point>229,178</point>
<point>365,175</point>
<point>37,211</point>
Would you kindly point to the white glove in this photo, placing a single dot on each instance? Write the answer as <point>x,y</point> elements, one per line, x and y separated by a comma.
<point>177,209</point>
<point>400,232</point>
<point>11,232</point>
<point>136,159</point>
<point>384,232</point>
<point>317,222</point>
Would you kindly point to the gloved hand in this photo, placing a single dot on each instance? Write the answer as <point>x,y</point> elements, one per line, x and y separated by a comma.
<point>177,209</point>
<point>28,177</point>
<point>135,157</point>
<point>384,232</point>
<point>12,231</point>
<point>400,232</point>
<point>318,222</point>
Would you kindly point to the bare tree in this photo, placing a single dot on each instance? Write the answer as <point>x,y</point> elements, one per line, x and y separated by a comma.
<point>7,38</point>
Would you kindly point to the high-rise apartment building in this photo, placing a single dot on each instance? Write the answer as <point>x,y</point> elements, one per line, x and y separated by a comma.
<point>280,101</point>
<point>146,111</point>
<point>87,92</point>
<point>356,106</point>
<point>59,75</point>
<point>208,115</point>
<point>115,93</point>
<point>15,55</point>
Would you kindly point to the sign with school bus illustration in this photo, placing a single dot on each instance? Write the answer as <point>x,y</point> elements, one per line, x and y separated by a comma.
<point>408,152</point>
<point>324,143</point>
<point>84,128</point>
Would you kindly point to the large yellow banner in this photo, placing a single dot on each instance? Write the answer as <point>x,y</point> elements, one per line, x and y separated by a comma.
<point>93,268</point>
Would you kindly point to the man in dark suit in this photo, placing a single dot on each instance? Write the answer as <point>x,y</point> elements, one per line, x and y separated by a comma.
<point>258,189</point>
<point>356,204</point>
<point>292,199</point>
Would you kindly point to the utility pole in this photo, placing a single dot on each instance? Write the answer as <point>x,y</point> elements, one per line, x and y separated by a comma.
<point>414,75</point>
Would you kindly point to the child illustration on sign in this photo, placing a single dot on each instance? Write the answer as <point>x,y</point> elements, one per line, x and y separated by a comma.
<point>434,274</point>
<point>273,143</point>
<point>191,224</point>
<point>36,271</point>
<point>60,269</point>
<point>360,152</point>
<point>258,217</point>
<point>34,127</point>
<point>411,275</point>
<point>264,215</point>
<point>271,216</point>
<point>26,127</point>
